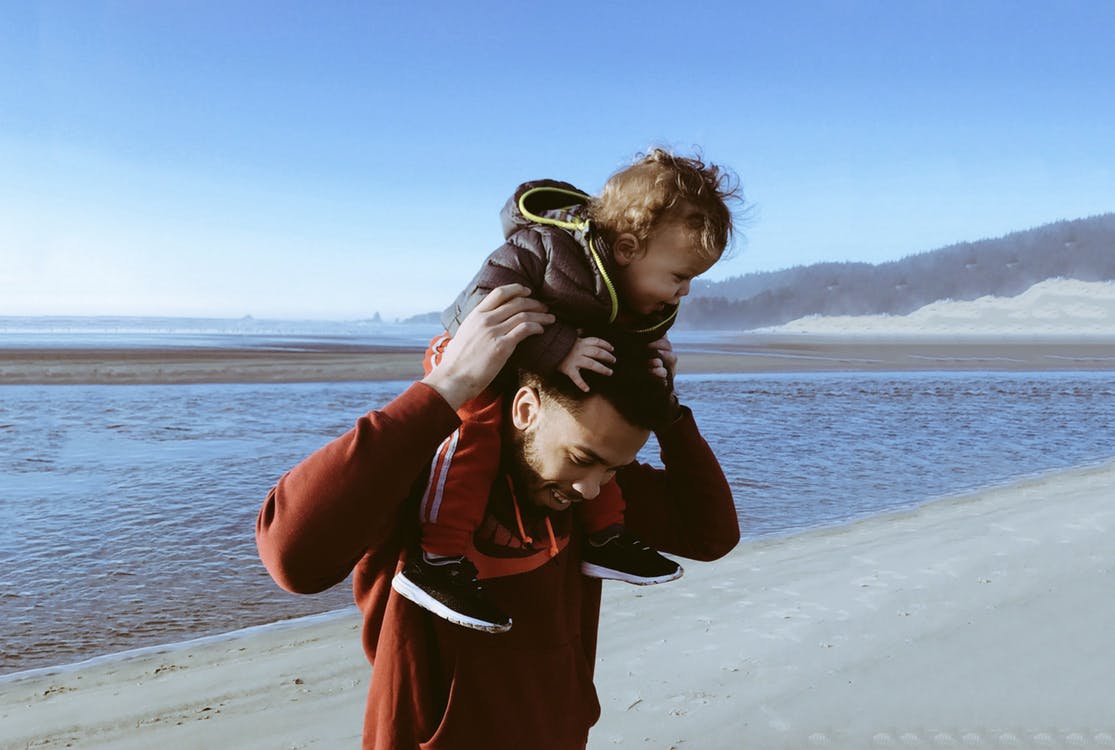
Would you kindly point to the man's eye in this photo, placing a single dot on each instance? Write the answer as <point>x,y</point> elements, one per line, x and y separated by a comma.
<point>580,461</point>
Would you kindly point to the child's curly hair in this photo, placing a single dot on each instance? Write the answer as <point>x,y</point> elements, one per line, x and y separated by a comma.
<point>660,185</point>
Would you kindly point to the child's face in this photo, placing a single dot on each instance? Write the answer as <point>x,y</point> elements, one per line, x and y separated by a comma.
<point>657,273</point>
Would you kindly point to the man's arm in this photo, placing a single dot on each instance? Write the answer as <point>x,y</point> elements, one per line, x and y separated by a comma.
<point>344,499</point>
<point>685,509</point>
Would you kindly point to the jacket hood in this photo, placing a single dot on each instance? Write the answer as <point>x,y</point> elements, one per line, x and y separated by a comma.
<point>545,202</point>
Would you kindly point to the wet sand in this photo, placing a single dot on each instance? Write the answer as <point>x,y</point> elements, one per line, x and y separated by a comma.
<point>741,354</point>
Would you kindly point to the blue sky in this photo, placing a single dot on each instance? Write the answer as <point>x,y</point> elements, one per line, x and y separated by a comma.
<point>333,160</point>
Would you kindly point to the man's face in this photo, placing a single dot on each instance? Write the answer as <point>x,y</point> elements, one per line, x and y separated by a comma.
<point>565,457</point>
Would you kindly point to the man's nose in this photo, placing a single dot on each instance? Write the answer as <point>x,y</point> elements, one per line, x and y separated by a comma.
<point>588,488</point>
<point>683,290</point>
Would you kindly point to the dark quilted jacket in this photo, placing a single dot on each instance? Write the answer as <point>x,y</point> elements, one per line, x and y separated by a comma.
<point>552,249</point>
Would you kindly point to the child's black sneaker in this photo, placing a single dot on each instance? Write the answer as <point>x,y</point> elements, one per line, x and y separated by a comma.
<point>448,588</point>
<point>615,554</point>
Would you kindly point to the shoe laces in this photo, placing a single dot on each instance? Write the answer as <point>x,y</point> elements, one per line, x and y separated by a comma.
<point>628,541</point>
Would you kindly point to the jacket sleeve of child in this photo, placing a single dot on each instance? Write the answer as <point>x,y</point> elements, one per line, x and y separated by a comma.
<point>523,259</point>
<point>346,498</point>
<point>686,508</point>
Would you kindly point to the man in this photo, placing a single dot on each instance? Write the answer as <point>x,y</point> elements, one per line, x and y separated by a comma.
<point>350,507</point>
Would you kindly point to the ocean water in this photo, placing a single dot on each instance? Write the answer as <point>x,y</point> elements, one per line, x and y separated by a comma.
<point>81,332</point>
<point>127,513</point>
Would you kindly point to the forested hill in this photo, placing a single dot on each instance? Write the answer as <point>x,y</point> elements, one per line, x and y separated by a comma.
<point>1082,249</point>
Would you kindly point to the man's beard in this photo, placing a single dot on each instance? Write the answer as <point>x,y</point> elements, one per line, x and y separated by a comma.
<point>521,457</point>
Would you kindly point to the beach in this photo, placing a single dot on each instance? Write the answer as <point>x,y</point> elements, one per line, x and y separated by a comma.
<point>979,621</point>
<point>971,621</point>
<point>976,621</point>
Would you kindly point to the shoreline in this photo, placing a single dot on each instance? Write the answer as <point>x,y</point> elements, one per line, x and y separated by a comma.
<point>162,649</point>
<point>969,616</point>
<point>745,353</point>
<point>312,620</point>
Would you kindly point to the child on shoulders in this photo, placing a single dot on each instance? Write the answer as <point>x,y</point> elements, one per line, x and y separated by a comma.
<point>625,258</point>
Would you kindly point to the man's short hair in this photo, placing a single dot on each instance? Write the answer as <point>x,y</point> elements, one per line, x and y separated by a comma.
<point>640,397</point>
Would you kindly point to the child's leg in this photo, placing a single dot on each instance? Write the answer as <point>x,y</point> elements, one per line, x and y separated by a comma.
<point>441,579</point>
<point>462,471</point>
<point>604,510</point>
<point>432,358</point>
<point>611,552</point>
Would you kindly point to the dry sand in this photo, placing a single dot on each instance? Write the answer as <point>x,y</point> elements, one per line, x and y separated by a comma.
<point>981,621</point>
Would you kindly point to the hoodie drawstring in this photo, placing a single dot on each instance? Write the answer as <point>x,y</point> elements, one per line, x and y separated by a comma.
<point>527,539</point>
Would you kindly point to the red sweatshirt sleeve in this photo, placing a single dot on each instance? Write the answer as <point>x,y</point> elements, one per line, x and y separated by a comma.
<point>343,500</point>
<point>685,509</point>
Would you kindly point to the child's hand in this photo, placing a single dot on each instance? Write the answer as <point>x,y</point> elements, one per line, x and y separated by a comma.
<point>587,354</point>
<point>665,364</point>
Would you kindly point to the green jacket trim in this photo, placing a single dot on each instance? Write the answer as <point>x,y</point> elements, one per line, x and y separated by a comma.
<point>661,323</point>
<point>572,225</point>
<point>575,226</point>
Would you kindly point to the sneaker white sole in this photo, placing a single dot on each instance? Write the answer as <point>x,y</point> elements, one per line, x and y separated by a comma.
<point>598,571</point>
<point>407,589</point>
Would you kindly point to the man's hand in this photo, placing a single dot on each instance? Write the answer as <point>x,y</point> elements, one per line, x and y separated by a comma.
<point>587,354</point>
<point>484,342</point>
<point>665,364</point>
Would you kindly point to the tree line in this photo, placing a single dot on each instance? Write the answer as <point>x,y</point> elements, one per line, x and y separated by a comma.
<point>1006,266</point>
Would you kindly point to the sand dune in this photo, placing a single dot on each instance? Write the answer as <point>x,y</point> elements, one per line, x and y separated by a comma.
<point>1056,307</point>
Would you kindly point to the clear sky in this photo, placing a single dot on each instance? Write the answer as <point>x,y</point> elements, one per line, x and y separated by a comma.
<point>335,159</point>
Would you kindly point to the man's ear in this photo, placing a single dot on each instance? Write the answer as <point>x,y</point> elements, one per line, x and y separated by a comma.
<point>524,407</point>
<point>626,248</point>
